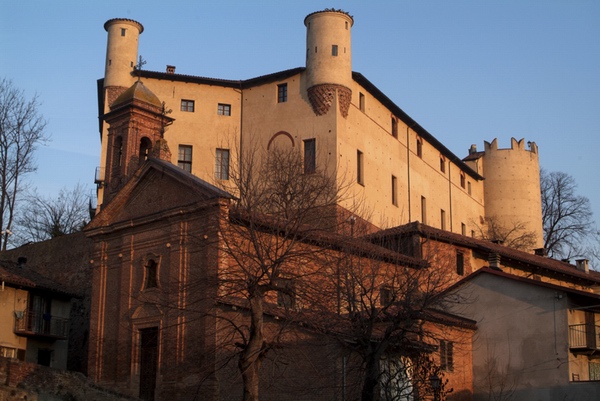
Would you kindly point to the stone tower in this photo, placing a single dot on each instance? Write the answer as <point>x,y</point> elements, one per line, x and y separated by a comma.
<point>121,55</point>
<point>329,60</point>
<point>512,184</point>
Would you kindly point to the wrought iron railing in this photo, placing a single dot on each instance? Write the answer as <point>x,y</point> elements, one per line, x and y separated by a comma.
<point>584,336</point>
<point>30,323</point>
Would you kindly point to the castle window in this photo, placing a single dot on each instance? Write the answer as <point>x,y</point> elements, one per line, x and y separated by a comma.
<point>361,102</point>
<point>446,356</point>
<point>394,127</point>
<point>346,25</point>
<point>222,164</point>
<point>187,105</point>
<point>442,219</point>
<point>460,263</point>
<point>123,31</point>
<point>423,210</point>
<point>145,148</point>
<point>310,156</point>
<point>442,164</point>
<point>118,152</point>
<point>419,147</point>
<point>286,293</point>
<point>151,280</point>
<point>334,50</point>
<point>282,93</point>
<point>469,187</point>
<point>462,179</point>
<point>224,109</point>
<point>360,174</point>
<point>184,158</point>
<point>463,228</point>
<point>394,191</point>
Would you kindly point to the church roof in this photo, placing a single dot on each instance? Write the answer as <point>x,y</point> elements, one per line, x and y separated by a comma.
<point>138,91</point>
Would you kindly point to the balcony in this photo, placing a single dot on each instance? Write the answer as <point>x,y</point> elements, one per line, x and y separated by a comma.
<point>584,339</point>
<point>44,325</point>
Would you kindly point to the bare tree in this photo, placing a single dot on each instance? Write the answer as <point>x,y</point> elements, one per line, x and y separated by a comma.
<point>43,218</point>
<point>566,216</point>
<point>21,131</point>
<point>279,209</point>
<point>514,235</point>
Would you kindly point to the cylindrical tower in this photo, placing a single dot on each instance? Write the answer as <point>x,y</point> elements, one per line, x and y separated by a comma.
<point>512,186</point>
<point>329,59</point>
<point>121,51</point>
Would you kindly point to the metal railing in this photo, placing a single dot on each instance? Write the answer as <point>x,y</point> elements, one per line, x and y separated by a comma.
<point>30,323</point>
<point>584,336</point>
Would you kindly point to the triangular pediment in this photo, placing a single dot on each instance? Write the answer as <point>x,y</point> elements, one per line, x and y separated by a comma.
<point>156,188</point>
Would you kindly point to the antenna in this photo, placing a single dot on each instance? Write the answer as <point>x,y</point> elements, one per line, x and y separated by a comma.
<point>138,67</point>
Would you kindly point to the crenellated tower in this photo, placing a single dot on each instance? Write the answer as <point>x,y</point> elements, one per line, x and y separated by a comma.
<point>329,60</point>
<point>512,184</point>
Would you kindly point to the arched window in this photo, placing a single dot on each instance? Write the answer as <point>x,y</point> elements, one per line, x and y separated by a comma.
<point>145,148</point>
<point>151,280</point>
<point>118,153</point>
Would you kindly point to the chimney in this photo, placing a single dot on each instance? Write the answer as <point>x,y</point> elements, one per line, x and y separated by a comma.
<point>170,69</point>
<point>541,252</point>
<point>473,149</point>
<point>583,265</point>
<point>494,260</point>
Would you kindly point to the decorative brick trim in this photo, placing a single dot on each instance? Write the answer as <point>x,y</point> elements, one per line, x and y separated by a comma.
<point>321,98</point>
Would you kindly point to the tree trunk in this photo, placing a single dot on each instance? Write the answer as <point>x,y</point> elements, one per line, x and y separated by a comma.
<point>371,378</point>
<point>251,356</point>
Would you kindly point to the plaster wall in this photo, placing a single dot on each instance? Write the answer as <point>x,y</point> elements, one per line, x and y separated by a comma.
<point>11,300</point>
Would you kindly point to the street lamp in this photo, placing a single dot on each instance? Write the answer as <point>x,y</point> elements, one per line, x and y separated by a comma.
<point>436,383</point>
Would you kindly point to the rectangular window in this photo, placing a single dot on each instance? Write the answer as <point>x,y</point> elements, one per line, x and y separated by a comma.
<point>187,105</point>
<point>463,228</point>
<point>394,191</point>
<point>184,158</point>
<point>460,263</point>
<point>224,109</point>
<point>385,296</point>
<point>462,179</point>
<point>419,147</point>
<point>442,219</point>
<point>361,102</point>
<point>442,165</point>
<point>473,233</point>
<point>469,187</point>
<point>446,356</point>
<point>281,93</point>
<point>395,127</point>
<point>334,50</point>
<point>8,352</point>
<point>222,164</point>
<point>360,168</point>
<point>310,156</point>
<point>594,370</point>
<point>423,210</point>
<point>123,31</point>
<point>286,294</point>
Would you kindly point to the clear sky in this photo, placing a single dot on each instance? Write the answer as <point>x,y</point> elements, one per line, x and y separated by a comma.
<point>467,71</point>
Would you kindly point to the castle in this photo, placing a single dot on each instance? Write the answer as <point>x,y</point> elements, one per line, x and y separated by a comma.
<point>336,117</point>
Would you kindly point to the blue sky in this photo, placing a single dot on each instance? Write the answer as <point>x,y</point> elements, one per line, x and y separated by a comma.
<point>467,71</point>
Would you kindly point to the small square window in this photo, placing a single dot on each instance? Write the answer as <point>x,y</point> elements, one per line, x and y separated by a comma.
<point>334,50</point>
<point>224,109</point>
<point>282,93</point>
<point>187,105</point>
